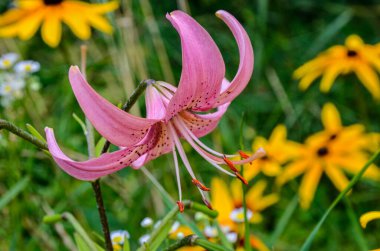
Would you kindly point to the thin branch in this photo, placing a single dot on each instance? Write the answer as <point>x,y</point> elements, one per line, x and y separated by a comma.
<point>22,134</point>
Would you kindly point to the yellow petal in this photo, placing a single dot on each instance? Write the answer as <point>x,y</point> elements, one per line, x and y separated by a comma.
<point>278,134</point>
<point>331,118</point>
<point>337,177</point>
<point>330,75</point>
<point>100,23</point>
<point>77,24</point>
<point>369,79</point>
<point>308,79</point>
<point>265,202</point>
<point>309,185</point>
<point>11,16</point>
<point>353,42</point>
<point>11,30</point>
<point>255,193</point>
<point>31,24</point>
<point>221,199</point>
<point>237,192</point>
<point>367,217</point>
<point>51,29</point>
<point>104,7</point>
<point>258,244</point>
<point>271,168</point>
<point>292,170</point>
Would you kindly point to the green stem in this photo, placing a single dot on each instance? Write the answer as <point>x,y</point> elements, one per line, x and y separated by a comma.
<point>22,134</point>
<point>354,180</point>
<point>186,241</point>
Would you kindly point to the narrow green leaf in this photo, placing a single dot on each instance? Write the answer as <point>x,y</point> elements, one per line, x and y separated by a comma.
<point>81,123</point>
<point>284,220</point>
<point>126,246</point>
<point>81,244</point>
<point>306,245</point>
<point>357,230</point>
<point>209,245</point>
<point>35,133</point>
<point>329,32</point>
<point>223,238</point>
<point>99,146</point>
<point>13,192</point>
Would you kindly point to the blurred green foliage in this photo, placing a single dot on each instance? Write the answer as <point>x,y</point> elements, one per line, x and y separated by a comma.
<point>284,33</point>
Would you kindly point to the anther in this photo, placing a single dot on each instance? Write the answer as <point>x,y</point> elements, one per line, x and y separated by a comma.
<point>200,185</point>
<point>241,178</point>
<point>181,206</point>
<point>207,203</point>
<point>230,164</point>
<point>243,155</point>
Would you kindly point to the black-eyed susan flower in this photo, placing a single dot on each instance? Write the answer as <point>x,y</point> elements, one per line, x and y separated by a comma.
<point>228,201</point>
<point>24,20</point>
<point>333,151</point>
<point>278,151</point>
<point>354,56</point>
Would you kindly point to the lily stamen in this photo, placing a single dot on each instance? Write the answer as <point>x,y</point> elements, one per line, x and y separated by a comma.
<point>230,164</point>
<point>181,206</point>
<point>200,185</point>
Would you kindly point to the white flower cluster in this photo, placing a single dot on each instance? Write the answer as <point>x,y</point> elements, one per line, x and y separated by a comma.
<point>14,75</point>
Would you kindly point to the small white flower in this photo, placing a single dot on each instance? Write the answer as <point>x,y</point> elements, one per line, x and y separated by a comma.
<point>119,236</point>
<point>225,229</point>
<point>144,239</point>
<point>11,85</point>
<point>174,227</point>
<point>180,235</point>
<point>7,60</point>
<point>146,222</point>
<point>237,215</point>
<point>27,66</point>
<point>210,231</point>
<point>232,237</point>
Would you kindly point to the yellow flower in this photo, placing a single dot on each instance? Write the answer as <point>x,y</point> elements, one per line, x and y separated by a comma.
<point>331,151</point>
<point>278,151</point>
<point>228,202</point>
<point>354,56</point>
<point>367,217</point>
<point>24,20</point>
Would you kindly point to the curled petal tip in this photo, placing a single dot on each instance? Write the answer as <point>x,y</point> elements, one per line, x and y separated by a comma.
<point>220,13</point>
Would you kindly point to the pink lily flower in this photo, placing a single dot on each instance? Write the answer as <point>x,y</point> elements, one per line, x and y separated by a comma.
<point>172,113</point>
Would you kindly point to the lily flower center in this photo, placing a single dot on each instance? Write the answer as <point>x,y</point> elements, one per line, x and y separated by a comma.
<point>323,151</point>
<point>180,127</point>
<point>352,53</point>
<point>52,2</point>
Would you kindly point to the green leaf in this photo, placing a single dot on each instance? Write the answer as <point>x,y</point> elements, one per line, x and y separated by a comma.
<point>126,246</point>
<point>99,146</point>
<point>81,244</point>
<point>13,192</point>
<point>223,238</point>
<point>35,133</point>
<point>306,245</point>
<point>81,123</point>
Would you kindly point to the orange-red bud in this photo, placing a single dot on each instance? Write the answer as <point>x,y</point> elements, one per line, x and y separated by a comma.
<point>230,164</point>
<point>181,206</point>
<point>241,178</point>
<point>200,185</point>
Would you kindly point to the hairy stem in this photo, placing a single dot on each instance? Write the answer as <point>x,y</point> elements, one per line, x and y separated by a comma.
<point>186,241</point>
<point>22,134</point>
<point>102,213</point>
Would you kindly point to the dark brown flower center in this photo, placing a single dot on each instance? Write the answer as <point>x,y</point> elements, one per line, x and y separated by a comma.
<point>52,2</point>
<point>323,151</point>
<point>351,53</point>
<point>333,136</point>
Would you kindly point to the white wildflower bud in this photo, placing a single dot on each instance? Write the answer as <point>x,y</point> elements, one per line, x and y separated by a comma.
<point>174,227</point>
<point>28,66</point>
<point>210,231</point>
<point>146,222</point>
<point>232,237</point>
<point>144,239</point>
<point>7,60</point>
<point>180,236</point>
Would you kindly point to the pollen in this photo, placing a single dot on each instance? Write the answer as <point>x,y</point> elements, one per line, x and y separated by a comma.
<point>200,185</point>
<point>241,178</point>
<point>230,164</point>
<point>181,206</point>
<point>243,155</point>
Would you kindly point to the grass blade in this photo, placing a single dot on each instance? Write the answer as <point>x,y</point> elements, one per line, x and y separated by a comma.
<point>13,192</point>
<point>306,245</point>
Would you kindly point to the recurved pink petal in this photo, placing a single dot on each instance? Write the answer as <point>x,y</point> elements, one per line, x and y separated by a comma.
<point>105,164</point>
<point>202,66</point>
<point>163,146</point>
<point>202,124</point>
<point>155,108</point>
<point>117,126</point>
<point>245,70</point>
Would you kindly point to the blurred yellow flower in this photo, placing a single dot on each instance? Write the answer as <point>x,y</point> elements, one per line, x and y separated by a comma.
<point>228,201</point>
<point>278,151</point>
<point>354,56</point>
<point>367,217</point>
<point>331,151</point>
<point>24,20</point>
